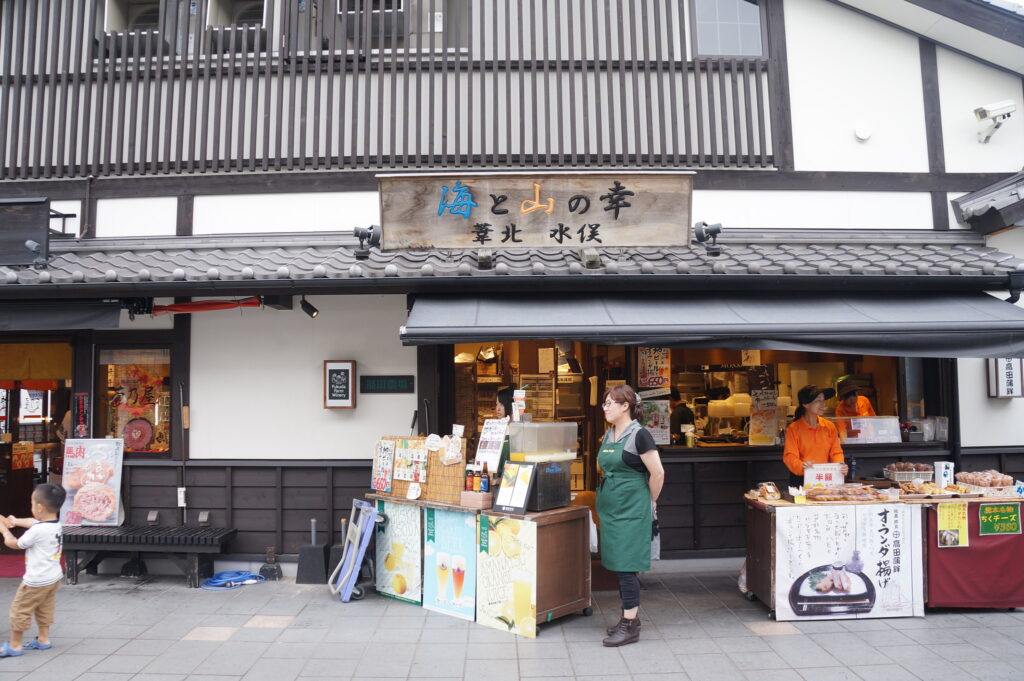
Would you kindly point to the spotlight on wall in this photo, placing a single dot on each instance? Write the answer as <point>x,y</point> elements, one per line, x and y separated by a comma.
<point>703,233</point>
<point>309,308</point>
<point>368,238</point>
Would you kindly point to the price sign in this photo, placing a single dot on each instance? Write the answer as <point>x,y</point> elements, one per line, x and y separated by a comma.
<point>999,518</point>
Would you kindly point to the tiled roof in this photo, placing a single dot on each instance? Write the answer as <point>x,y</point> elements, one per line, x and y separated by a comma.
<point>189,263</point>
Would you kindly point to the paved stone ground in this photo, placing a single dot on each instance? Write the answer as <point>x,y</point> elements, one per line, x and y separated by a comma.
<point>696,627</point>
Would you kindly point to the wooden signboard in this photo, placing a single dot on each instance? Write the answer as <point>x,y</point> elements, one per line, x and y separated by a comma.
<point>443,484</point>
<point>602,209</point>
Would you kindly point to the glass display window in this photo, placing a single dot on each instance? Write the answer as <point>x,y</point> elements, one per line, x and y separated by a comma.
<point>134,398</point>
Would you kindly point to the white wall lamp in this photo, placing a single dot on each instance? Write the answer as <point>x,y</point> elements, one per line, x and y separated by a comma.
<point>996,114</point>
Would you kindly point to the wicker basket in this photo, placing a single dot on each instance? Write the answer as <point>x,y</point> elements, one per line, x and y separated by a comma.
<point>908,476</point>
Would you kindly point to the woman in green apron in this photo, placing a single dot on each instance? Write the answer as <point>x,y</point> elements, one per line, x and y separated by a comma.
<point>631,482</point>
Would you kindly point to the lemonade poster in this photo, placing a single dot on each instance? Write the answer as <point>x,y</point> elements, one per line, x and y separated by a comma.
<point>399,561</point>
<point>507,575</point>
<point>449,562</point>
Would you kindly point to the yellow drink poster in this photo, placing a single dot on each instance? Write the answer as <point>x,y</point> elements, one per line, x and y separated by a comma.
<point>506,585</point>
<point>399,552</point>
<point>952,525</point>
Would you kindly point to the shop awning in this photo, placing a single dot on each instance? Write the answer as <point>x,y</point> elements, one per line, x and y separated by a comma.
<point>56,316</point>
<point>911,325</point>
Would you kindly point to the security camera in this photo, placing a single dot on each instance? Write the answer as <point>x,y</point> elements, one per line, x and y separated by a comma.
<point>996,110</point>
<point>33,246</point>
<point>995,113</point>
<point>368,238</point>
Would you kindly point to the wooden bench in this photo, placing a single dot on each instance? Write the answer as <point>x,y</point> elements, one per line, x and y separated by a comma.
<point>190,548</point>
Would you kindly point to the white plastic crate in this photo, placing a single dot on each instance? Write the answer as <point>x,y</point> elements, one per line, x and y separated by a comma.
<point>909,476</point>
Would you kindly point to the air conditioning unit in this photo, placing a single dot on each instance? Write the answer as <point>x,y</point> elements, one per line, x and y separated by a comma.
<point>387,17</point>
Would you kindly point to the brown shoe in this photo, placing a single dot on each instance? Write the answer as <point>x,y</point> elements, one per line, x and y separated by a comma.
<point>626,632</point>
<point>611,630</point>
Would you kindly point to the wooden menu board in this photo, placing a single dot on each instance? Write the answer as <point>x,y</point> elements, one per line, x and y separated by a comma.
<point>443,484</point>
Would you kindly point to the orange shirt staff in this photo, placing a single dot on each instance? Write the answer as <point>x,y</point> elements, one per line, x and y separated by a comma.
<point>853,405</point>
<point>811,439</point>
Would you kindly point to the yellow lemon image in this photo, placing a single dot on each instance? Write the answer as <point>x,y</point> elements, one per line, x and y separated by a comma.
<point>510,545</point>
<point>399,584</point>
<point>511,525</point>
<point>528,626</point>
<point>508,611</point>
<point>390,562</point>
<point>397,548</point>
<point>493,544</point>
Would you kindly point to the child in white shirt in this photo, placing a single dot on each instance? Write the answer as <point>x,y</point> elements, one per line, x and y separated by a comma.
<point>37,594</point>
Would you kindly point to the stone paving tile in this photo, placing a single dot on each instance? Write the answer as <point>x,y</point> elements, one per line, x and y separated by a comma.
<point>801,651</point>
<point>545,668</point>
<point>62,667</point>
<point>650,657</point>
<point>883,672</point>
<point>492,670</point>
<point>743,644</point>
<point>337,669</point>
<point>828,674</point>
<point>991,670</point>
<point>773,675</point>
<point>123,664</point>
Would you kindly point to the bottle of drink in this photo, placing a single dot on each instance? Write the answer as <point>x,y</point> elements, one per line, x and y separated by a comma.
<point>476,478</point>
<point>485,480</point>
<point>852,465</point>
<point>469,477</point>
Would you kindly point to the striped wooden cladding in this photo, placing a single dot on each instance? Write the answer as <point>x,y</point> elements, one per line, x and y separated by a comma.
<point>443,83</point>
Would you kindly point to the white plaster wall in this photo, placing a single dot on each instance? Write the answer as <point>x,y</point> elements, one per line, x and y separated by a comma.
<point>260,213</point>
<point>965,85</point>
<point>987,421</point>
<point>257,380</point>
<point>154,216</point>
<point>953,223</point>
<point>848,71</point>
<point>71,225</point>
<point>813,209</point>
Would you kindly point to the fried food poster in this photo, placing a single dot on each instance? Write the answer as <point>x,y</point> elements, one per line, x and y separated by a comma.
<point>92,480</point>
<point>845,562</point>
<point>507,575</point>
<point>399,558</point>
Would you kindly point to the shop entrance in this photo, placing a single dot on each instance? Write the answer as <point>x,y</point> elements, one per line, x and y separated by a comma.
<point>35,397</point>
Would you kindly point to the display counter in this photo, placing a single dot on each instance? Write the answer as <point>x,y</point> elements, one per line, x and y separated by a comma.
<point>835,561</point>
<point>509,572</point>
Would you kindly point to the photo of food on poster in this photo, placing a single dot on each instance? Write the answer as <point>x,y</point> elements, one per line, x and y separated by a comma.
<point>399,561</point>
<point>952,526</point>
<point>657,420</point>
<point>848,562</point>
<point>92,480</point>
<point>449,562</point>
<point>654,368</point>
<point>507,575</point>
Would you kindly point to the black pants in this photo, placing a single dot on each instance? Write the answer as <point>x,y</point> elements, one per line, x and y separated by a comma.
<point>629,589</point>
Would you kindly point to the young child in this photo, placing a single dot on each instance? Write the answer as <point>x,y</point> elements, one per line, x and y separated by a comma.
<point>37,595</point>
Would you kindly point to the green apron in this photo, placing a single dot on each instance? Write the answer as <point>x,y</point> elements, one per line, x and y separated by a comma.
<point>624,507</point>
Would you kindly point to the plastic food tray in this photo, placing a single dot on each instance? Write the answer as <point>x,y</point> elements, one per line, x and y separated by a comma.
<point>1007,491</point>
<point>909,476</point>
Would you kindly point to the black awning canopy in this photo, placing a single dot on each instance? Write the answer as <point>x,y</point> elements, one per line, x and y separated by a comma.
<point>59,315</point>
<point>908,325</point>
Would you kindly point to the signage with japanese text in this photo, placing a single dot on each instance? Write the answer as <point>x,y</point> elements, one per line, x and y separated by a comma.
<point>1005,377</point>
<point>92,481</point>
<point>844,562</point>
<point>999,518</point>
<point>535,210</point>
<point>952,525</point>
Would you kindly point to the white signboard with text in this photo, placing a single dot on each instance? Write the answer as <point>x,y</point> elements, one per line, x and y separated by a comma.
<point>848,562</point>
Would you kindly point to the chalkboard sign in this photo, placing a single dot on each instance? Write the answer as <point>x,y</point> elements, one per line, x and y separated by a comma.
<point>339,379</point>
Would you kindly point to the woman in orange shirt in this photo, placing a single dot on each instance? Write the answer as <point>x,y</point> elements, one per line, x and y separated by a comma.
<point>852,403</point>
<point>810,438</point>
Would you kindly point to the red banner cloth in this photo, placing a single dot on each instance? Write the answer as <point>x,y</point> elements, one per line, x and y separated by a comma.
<point>206,306</point>
<point>985,574</point>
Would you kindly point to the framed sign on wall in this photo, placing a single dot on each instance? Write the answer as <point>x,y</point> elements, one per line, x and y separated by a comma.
<point>339,384</point>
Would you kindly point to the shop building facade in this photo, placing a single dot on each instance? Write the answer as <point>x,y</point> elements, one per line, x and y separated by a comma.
<point>828,138</point>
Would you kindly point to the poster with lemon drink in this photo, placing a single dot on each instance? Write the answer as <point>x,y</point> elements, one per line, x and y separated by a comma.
<point>449,562</point>
<point>507,575</point>
<point>399,558</point>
